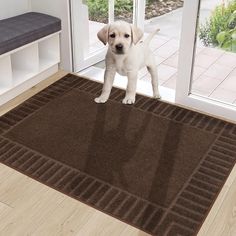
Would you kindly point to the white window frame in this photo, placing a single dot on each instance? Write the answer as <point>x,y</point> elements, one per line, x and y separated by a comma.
<point>185,69</point>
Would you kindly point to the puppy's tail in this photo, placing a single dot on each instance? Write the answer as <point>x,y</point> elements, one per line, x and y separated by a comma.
<point>150,36</point>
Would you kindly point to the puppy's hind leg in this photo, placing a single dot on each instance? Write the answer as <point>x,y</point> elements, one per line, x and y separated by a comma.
<point>152,69</point>
<point>109,76</point>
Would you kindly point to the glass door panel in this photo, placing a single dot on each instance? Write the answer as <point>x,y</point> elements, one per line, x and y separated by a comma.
<point>207,63</point>
<point>89,16</point>
<point>214,71</point>
<point>97,18</point>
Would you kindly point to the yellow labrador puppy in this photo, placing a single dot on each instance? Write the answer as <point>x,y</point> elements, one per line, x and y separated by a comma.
<point>126,55</point>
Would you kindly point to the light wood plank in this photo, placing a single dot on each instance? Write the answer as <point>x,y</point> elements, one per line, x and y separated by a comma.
<point>5,209</point>
<point>133,232</point>
<point>71,215</point>
<point>102,225</point>
<point>30,211</point>
<point>221,220</point>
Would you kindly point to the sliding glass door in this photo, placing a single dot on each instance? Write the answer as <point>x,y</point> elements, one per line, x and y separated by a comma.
<point>88,17</point>
<point>207,63</point>
<point>85,46</point>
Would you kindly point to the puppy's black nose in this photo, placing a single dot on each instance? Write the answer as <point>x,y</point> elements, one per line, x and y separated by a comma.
<point>119,47</point>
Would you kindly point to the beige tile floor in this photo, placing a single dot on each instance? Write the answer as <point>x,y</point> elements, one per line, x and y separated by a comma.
<point>214,73</point>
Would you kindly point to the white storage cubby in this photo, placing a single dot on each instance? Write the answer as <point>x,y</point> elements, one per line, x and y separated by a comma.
<point>6,73</point>
<point>25,64</point>
<point>24,67</point>
<point>49,52</point>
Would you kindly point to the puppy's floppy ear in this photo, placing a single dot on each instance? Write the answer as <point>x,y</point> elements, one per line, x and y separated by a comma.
<point>137,34</point>
<point>103,34</point>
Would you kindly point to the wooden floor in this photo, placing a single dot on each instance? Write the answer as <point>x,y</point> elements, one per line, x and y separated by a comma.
<point>28,207</point>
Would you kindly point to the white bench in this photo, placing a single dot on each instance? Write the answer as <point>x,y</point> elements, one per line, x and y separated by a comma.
<point>29,52</point>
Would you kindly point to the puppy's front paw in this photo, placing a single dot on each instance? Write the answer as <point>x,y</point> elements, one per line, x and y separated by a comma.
<point>100,99</point>
<point>128,100</point>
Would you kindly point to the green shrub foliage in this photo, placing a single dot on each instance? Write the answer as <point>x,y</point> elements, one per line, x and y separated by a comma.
<point>98,8</point>
<point>220,29</point>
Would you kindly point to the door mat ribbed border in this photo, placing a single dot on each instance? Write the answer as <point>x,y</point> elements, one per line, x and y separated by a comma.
<point>189,209</point>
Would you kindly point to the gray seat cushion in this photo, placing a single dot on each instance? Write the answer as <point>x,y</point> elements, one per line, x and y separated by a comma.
<point>26,28</point>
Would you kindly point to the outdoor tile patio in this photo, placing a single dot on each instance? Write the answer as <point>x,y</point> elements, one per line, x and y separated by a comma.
<point>214,69</point>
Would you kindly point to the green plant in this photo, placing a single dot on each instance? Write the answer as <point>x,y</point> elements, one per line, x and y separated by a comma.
<point>227,40</point>
<point>123,5</point>
<point>99,8</point>
<point>220,29</point>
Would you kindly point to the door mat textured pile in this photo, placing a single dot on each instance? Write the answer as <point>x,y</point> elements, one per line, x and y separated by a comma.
<point>153,165</point>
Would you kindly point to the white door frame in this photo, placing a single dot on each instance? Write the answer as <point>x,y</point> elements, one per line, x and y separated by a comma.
<point>185,71</point>
<point>139,13</point>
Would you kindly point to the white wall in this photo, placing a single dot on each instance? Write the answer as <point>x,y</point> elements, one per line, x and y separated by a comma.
<point>60,9</point>
<point>9,8</point>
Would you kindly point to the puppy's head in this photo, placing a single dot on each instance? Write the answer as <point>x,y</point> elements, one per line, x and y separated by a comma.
<point>120,36</point>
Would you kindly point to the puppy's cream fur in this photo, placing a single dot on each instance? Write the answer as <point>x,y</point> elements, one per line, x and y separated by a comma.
<point>126,55</point>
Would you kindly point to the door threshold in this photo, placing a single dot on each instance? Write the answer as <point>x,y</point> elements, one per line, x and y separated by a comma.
<point>143,87</point>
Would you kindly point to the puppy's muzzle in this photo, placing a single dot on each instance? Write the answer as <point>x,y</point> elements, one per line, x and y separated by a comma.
<point>119,48</point>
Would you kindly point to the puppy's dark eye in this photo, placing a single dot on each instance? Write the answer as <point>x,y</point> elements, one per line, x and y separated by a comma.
<point>113,35</point>
<point>127,35</point>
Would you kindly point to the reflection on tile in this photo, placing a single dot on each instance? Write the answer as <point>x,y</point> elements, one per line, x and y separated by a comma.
<point>212,52</point>
<point>199,50</point>
<point>172,61</point>
<point>229,84</point>
<point>157,42</point>
<point>204,61</point>
<point>171,83</point>
<point>228,59</point>
<point>233,72</point>
<point>218,71</point>
<point>146,78</point>
<point>168,49</point>
<point>100,64</point>
<point>224,95</point>
<point>165,72</point>
<point>205,85</point>
<point>159,60</point>
<point>198,71</point>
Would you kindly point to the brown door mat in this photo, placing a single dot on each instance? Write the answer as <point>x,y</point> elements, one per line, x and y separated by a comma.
<point>153,165</point>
